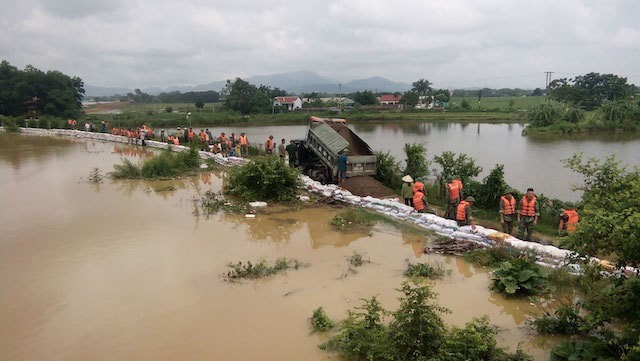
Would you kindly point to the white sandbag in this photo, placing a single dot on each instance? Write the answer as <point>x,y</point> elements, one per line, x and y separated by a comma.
<point>258,204</point>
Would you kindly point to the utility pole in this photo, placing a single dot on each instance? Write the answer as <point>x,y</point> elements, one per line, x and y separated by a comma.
<point>340,99</point>
<point>547,82</point>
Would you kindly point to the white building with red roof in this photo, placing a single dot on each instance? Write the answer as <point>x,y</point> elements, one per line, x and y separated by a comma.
<point>389,99</point>
<point>289,103</point>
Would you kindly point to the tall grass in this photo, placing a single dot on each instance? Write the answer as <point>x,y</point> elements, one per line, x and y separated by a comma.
<point>164,165</point>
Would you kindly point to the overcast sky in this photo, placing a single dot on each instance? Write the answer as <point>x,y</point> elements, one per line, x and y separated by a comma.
<point>453,43</point>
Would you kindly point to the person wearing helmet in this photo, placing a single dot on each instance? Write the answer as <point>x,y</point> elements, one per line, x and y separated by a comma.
<point>569,219</point>
<point>454,191</point>
<point>507,211</point>
<point>463,213</point>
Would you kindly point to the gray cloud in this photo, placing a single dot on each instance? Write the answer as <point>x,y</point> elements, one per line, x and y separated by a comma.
<point>456,43</point>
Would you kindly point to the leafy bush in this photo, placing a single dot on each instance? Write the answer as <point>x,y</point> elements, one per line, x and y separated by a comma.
<point>388,170</point>
<point>320,321</point>
<point>463,166</point>
<point>417,164</point>
<point>565,320</point>
<point>10,124</point>
<point>424,270</point>
<point>544,115</point>
<point>164,165</point>
<point>573,115</point>
<point>415,332</point>
<point>126,170</point>
<point>261,269</point>
<point>488,193</point>
<point>265,178</point>
<point>492,257</point>
<point>520,277</point>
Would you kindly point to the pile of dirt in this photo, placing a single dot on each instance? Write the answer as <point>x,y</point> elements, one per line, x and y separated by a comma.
<point>367,186</point>
<point>356,145</point>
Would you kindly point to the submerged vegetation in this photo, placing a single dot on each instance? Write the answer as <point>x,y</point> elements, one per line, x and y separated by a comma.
<point>424,270</point>
<point>320,322</point>
<point>265,178</point>
<point>415,331</point>
<point>263,268</point>
<point>161,166</point>
<point>519,278</point>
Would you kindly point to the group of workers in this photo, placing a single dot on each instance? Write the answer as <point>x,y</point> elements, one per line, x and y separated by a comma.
<point>525,213</point>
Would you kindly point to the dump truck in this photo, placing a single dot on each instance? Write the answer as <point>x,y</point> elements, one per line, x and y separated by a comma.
<point>326,138</point>
<point>319,151</point>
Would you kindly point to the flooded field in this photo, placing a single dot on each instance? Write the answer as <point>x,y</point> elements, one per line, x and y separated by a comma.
<point>125,270</point>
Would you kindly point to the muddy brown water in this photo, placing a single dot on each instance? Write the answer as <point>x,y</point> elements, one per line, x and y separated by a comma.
<point>124,270</point>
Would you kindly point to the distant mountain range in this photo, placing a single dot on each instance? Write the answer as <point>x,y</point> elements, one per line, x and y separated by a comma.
<point>293,82</point>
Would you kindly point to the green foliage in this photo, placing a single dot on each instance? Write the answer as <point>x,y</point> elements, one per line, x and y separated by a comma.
<point>95,176</point>
<point>565,320</point>
<point>590,90</point>
<point>477,341</point>
<point>10,125</point>
<point>161,166</point>
<point>610,220</point>
<point>462,166</point>
<point>415,332</point>
<point>168,109</point>
<point>365,98</point>
<point>410,99</point>
<point>422,87</point>
<point>352,218</point>
<point>199,104</point>
<point>388,170</point>
<point>320,321</point>
<point>584,349</point>
<point>492,257</point>
<point>265,178</point>
<point>246,98</point>
<point>488,193</point>
<point>544,115</point>
<point>56,93</point>
<point>465,104</point>
<point>424,270</point>
<point>261,269</point>
<point>622,115</point>
<point>417,164</point>
<point>211,203</point>
<point>520,277</point>
<point>573,115</point>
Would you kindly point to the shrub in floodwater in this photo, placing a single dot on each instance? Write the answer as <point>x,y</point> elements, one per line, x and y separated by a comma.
<point>261,269</point>
<point>265,178</point>
<point>351,218</point>
<point>320,321</point>
<point>565,320</point>
<point>520,277</point>
<point>416,331</point>
<point>212,202</point>
<point>492,257</point>
<point>95,176</point>
<point>164,165</point>
<point>424,270</point>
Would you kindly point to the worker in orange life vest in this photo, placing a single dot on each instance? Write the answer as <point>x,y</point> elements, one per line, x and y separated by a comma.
<point>463,213</point>
<point>528,214</point>
<point>454,193</point>
<point>507,211</point>
<point>569,219</point>
<point>269,145</point>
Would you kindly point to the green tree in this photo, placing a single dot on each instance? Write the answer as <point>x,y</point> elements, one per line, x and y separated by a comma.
<point>239,96</point>
<point>365,98</point>
<point>610,214</point>
<point>442,95</point>
<point>422,87</point>
<point>410,99</point>
<point>537,92</point>
<point>544,115</point>
<point>462,166</point>
<point>199,105</point>
<point>417,164</point>
<point>590,90</point>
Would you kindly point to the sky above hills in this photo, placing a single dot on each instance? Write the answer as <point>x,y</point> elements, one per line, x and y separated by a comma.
<point>454,43</point>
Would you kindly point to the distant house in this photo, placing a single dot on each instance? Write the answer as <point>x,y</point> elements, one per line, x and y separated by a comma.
<point>389,99</point>
<point>289,103</point>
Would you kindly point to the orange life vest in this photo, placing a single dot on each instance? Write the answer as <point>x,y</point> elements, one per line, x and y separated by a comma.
<point>528,208</point>
<point>461,214</point>
<point>418,186</point>
<point>268,144</point>
<point>572,223</point>
<point>459,183</point>
<point>454,190</point>
<point>223,139</point>
<point>176,141</point>
<point>509,206</point>
<point>201,136</point>
<point>243,140</point>
<point>114,131</point>
<point>191,134</point>
<point>418,204</point>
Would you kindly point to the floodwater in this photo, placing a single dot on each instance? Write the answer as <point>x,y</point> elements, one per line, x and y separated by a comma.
<point>531,161</point>
<point>125,270</point>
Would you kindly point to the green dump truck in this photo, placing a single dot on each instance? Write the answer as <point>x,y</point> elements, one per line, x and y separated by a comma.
<point>326,138</point>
